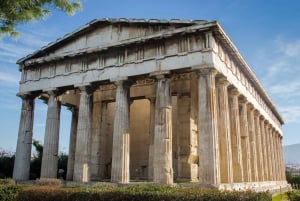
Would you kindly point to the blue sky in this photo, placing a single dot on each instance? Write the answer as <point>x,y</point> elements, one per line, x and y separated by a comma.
<point>267,33</point>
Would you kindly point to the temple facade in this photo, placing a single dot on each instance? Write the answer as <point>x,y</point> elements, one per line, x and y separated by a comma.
<point>157,100</point>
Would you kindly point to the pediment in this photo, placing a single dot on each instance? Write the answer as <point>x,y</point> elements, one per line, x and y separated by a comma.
<point>102,32</point>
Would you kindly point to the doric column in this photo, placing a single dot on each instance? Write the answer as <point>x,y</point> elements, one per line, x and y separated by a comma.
<point>277,159</point>
<point>273,160</point>
<point>83,141</point>
<point>283,177</point>
<point>269,152</point>
<point>245,140</point>
<point>187,141</point>
<point>225,154</point>
<point>23,152</point>
<point>72,143</point>
<point>237,161</point>
<point>209,164</point>
<point>163,170</point>
<point>121,135</point>
<point>252,139</point>
<point>51,141</point>
<point>151,137</point>
<point>265,149</point>
<point>103,172</point>
<point>259,149</point>
<point>96,138</point>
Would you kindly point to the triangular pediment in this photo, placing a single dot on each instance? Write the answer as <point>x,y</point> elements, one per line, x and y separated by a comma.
<point>102,32</point>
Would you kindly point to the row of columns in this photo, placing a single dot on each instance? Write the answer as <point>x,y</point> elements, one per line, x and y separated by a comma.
<point>250,148</point>
<point>235,143</point>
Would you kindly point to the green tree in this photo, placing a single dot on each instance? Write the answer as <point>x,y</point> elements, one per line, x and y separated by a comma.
<point>36,161</point>
<point>6,164</point>
<point>62,164</point>
<point>14,12</point>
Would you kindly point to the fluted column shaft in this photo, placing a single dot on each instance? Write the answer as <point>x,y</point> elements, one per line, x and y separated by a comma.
<point>151,138</point>
<point>277,159</point>
<point>282,166</point>
<point>269,153</point>
<point>209,164</point>
<point>260,165</point>
<point>265,150</point>
<point>163,170</point>
<point>121,135</point>
<point>224,132</point>
<point>23,151</point>
<point>72,144</point>
<point>103,142</point>
<point>245,141</point>
<point>51,141</point>
<point>83,140</point>
<point>272,153</point>
<point>252,139</point>
<point>274,158</point>
<point>237,161</point>
<point>96,140</point>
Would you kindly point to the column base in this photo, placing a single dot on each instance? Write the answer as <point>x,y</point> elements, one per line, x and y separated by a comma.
<point>271,186</point>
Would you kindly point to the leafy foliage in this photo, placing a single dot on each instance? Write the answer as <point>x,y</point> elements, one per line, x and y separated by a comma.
<point>9,192</point>
<point>62,165</point>
<point>146,193</point>
<point>36,162</point>
<point>6,164</point>
<point>293,195</point>
<point>22,11</point>
<point>293,180</point>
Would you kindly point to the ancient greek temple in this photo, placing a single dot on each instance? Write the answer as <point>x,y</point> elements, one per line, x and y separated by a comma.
<point>154,100</point>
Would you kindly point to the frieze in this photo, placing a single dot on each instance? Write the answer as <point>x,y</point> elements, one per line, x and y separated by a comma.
<point>84,64</point>
<point>52,69</point>
<point>68,67</point>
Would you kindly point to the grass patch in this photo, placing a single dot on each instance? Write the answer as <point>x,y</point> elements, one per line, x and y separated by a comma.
<point>280,197</point>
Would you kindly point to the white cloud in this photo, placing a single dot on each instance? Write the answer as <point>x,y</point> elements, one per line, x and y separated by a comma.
<point>290,49</point>
<point>30,40</point>
<point>280,74</point>
<point>291,113</point>
<point>292,88</point>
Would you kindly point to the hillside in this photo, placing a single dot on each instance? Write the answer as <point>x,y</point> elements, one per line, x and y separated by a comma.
<point>292,154</point>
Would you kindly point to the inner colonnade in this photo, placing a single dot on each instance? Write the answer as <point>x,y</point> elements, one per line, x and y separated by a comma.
<point>153,100</point>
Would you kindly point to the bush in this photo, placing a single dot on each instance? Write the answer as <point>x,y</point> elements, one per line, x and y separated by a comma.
<point>293,195</point>
<point>145,193</point>
<point>7,182</point>
<point>9,192</point>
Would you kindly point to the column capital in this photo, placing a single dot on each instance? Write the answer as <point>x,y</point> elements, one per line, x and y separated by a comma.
<point>233,91</point>
<point>257,113</point>
<point>122,81</point>
<point>88,88</point>
<point>206,71</point>
<point>243,99</point>
<point>25,95</point>
<point>250,106</point>
<point>222,81</point>
<point>261,117</point>
<point>161,74</point>
<point>53,92</point>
